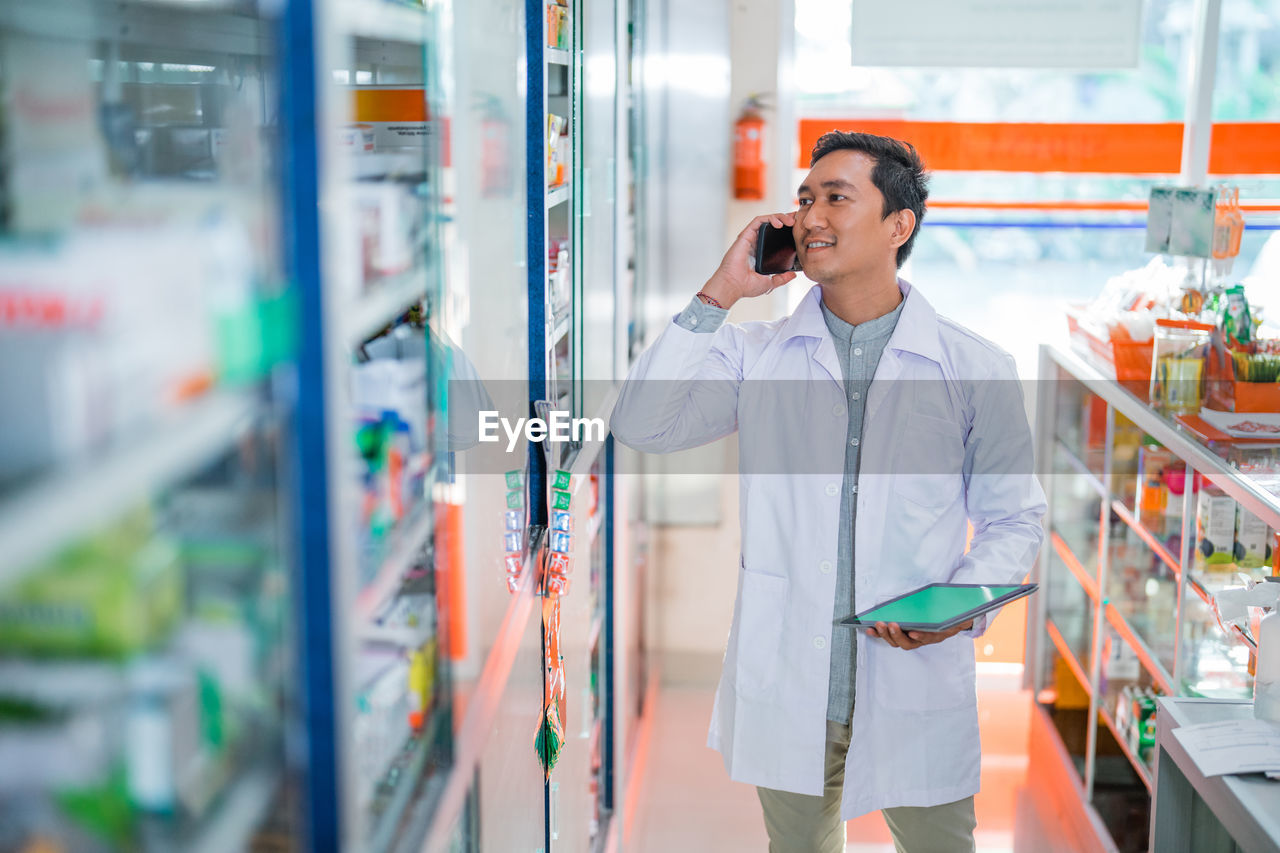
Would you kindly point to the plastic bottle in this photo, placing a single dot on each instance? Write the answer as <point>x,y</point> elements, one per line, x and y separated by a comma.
<point>1266,679</point>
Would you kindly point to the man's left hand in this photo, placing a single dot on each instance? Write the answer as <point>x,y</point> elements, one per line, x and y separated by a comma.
<point>895,636</point>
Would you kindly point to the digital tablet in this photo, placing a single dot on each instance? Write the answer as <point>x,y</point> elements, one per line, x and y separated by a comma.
<point>940,606</point>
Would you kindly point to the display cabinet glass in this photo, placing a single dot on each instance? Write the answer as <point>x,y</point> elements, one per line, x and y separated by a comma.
<point>380,734</point>
<point>146,587</point>
<point>1139,542</point>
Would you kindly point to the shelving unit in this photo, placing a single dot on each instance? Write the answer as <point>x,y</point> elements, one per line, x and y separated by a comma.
<point>1129,584</point>
<point>314,507</point>
<point>146,588</point>
<point>379,679</point>
<point>81,496</point>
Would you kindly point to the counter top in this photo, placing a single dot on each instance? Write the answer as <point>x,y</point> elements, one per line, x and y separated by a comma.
<point>1248,807</point>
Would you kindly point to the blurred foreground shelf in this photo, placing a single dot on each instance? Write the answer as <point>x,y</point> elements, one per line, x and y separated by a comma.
<point>78,497</point>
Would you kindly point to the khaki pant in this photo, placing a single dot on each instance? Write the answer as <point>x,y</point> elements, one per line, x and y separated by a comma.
<point>802,823</point>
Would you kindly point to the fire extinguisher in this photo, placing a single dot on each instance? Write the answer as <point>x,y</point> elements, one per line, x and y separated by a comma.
<point>748,152</point>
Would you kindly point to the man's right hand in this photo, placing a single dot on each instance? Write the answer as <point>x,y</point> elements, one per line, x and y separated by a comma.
<point>736,278</point>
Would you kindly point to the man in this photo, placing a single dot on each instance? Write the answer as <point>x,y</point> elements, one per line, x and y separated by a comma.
<point>870,432</point>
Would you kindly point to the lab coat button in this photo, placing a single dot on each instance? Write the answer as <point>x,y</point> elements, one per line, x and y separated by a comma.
<point>832,490</point>
<point>857,350</point>
<point>857,395</point>
<point>855,442</point>
<point>837,410</point>
<point>825,567</point>
<point>819,642</point>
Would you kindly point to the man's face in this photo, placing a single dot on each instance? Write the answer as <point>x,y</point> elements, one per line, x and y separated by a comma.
<point>840,229</point>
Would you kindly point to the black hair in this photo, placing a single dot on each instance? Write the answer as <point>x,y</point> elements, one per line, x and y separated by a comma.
<point>898,173</point>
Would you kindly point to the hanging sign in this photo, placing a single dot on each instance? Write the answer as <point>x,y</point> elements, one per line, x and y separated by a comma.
<point>997,33</point>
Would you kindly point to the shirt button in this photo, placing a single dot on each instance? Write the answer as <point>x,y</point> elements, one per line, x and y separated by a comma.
<point>857,395</point>
<point>819,642</point>
<point>855,442</point>
<point>837,410</point>
<point>825,567</point>
<point>832,490</point>
<point>857,350</point>
<point>854,488</point>
<point>693,321</point>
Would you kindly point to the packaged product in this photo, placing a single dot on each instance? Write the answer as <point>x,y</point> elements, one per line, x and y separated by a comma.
<point>1215,528</point>
<point>1152,497</point>
<point>115,594</point>
<point>1235,318</point>
<point>1253,540</point>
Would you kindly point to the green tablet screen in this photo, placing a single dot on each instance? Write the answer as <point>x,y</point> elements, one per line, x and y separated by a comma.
<point>935,604</point>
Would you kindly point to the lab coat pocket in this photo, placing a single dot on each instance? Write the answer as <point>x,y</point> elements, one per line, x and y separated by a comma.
<point>930,460</point>
<point>764,602</point>
<point>930,678</point>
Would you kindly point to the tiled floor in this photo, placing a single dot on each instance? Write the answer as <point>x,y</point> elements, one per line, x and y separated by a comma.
<point>687,803</point>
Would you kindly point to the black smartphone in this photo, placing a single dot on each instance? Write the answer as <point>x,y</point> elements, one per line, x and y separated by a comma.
<point>775,251</point>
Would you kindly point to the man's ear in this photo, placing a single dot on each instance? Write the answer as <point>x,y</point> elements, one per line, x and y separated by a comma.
<point>904,225</point>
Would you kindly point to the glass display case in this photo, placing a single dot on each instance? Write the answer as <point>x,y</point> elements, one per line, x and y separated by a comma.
<point>382,377</point>
<point>1149,518</point>
<point>146,319</point>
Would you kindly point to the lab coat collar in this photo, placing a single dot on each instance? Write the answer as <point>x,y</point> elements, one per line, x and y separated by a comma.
<point>916,332</point>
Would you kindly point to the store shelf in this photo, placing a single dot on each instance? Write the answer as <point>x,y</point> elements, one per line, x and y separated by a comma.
<point>243,809</point>
<point>383,304</point>
<point>1146,657</point>
<point>559,329</point>
<point>1067,654</point>
<point>1073,564</point>
<point>557,195</point>
<point>79,497</point>
<point>1079,466</point>
<point>406,544</point>
<point>558,57</point>
<point>1144,773</point>
<point>1120,509</point>
<point>1254,498</point>
<point>408,771</point>
<point>374,19</point>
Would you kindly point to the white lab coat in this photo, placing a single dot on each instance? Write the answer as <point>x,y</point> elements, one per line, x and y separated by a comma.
<point>935,454</point>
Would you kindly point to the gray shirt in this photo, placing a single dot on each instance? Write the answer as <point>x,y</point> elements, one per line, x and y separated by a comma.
<point>859,349</point>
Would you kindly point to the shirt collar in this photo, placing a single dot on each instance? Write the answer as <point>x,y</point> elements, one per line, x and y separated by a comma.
<point>916,330</point>
<point>846,333</point>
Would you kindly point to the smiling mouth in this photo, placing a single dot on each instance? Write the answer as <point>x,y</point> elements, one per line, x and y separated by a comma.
<point>818,245</point>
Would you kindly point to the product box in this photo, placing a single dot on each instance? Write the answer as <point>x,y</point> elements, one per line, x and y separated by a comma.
<point>1253,540</point>
<point>394,116</point>
<point>114,595</point>
<point>1215,529</point>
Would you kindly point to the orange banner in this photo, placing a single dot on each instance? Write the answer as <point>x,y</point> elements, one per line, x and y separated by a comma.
<point>1129,149</point>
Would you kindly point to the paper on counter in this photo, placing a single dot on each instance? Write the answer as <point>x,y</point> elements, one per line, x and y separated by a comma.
<point>1234,746</point>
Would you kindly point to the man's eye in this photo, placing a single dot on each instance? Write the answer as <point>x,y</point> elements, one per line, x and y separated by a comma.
<point>805,202</point>
<point>837,198</point>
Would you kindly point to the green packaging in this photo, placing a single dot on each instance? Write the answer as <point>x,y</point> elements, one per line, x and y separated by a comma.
<point>561,481</point>
<point>113,595</point>
<point>559,499</point>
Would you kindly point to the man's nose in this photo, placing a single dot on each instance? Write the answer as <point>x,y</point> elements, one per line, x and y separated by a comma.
<point>813,217</point>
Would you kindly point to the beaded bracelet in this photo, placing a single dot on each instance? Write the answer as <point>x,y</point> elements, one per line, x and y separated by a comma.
<point>709,300</point>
